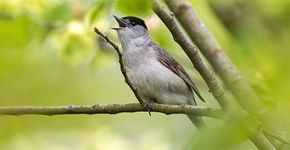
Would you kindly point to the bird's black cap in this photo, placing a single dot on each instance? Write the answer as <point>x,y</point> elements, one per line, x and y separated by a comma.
<point>129,21</point>
<point>134,21</point>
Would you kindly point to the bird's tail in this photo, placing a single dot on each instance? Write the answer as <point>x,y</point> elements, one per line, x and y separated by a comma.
<point>197,121</point>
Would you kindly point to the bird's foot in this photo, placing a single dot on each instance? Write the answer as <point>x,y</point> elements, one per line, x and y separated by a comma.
<point>149,105</point>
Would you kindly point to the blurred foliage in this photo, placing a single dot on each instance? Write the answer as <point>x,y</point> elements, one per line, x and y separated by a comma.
<point>138,7</point>
<point>49,55</point>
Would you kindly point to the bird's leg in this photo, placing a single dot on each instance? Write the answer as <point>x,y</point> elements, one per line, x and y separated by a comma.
<point>149,105</point>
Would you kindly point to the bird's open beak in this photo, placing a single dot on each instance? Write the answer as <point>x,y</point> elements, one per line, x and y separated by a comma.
<point>121,22</point>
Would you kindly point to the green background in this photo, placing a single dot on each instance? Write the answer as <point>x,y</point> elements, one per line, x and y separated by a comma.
<point>50,55</point>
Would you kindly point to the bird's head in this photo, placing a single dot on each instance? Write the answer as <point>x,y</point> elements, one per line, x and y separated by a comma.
<point>131,27</point>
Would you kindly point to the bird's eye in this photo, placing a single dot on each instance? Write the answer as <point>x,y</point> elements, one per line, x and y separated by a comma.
<point>133,23</point>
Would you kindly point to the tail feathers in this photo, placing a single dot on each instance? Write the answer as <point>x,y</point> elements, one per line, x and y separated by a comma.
<point>197,121</point>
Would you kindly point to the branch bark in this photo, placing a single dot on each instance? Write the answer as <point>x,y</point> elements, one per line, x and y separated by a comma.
<point>198,32</point>
<point>190,49</point>
<point>214,53</point>
<point>256,137</point>
<point>109,109</point>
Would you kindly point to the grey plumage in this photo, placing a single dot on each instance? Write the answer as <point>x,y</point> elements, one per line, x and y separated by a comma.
<point>152,71</point>
<point>175,67</point>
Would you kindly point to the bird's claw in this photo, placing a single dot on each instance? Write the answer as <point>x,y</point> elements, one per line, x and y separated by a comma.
<point>149,106</point>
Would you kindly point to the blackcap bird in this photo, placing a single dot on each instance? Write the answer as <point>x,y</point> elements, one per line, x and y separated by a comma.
<point>156,75</point>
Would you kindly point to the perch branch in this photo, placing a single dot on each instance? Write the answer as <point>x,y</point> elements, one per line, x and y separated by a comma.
<point>109,109</point>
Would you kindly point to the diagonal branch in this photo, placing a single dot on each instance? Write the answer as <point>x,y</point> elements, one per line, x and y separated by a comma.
<point>214,53</point>
<point>217,90</point>
<point>277,137</point>
<point>222,64</point>
<point>191,50</point>
<point>109,109</point>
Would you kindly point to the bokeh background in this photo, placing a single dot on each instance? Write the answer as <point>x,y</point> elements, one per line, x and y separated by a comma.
<point>50,55</point>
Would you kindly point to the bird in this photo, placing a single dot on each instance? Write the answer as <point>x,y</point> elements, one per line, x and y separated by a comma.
<point>156,75</point>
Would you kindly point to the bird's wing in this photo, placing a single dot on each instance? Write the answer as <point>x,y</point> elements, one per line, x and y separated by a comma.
<point>165,59</point>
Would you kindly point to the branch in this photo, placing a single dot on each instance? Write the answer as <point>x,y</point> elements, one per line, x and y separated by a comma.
<point>277,137</point>
<point>262,143</point>
<point>214,53</point>
<point>109,109</point>
<point>123,70</point>
<point>191,50</point>
<point>215,87</point>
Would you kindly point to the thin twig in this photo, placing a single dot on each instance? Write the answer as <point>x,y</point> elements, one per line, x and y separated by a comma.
<point>109,109</point>
<point>123,70</point>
